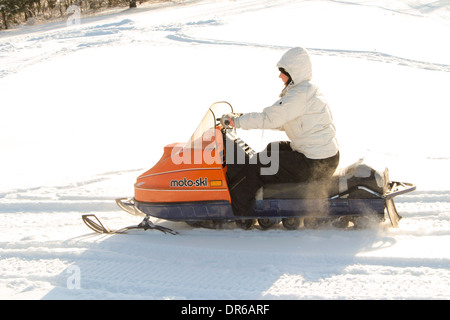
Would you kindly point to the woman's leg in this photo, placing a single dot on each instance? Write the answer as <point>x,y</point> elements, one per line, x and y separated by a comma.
<point>324,168</point>
<point>246,179</point>
<point>292,167</point>
<point>243,185</point>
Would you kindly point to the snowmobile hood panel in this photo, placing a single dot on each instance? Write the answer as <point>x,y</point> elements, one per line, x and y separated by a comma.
<point>185,174</point>
<point>297,63</point>
<point>192,171</point>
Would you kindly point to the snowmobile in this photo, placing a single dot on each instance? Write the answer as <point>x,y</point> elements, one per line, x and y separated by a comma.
<point>190,183</point>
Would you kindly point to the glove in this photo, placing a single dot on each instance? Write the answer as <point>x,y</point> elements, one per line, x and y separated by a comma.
<point>228,120</point>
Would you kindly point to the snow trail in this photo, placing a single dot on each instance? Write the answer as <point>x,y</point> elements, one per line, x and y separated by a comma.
<point>366,55</point>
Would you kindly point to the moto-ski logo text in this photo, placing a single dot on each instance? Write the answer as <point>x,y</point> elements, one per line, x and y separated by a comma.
<point>200,182</point>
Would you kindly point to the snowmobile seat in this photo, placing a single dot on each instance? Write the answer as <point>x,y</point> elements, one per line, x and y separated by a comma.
<point>358,180</point>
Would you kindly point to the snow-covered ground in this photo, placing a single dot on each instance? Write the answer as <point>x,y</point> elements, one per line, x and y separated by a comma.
<point>86,108</point>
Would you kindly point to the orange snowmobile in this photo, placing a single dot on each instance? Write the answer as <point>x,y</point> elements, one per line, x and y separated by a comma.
<point>190,184</point>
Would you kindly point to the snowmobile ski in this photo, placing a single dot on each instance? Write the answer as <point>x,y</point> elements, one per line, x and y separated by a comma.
<point>96,225</point>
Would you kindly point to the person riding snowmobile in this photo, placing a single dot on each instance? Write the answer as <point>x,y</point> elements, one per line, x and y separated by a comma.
<point>303,113</point>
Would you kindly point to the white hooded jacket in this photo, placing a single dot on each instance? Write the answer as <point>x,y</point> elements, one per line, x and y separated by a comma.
<point>302,111</point>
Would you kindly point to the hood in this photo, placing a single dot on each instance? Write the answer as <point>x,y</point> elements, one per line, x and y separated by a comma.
<point>297,63</point>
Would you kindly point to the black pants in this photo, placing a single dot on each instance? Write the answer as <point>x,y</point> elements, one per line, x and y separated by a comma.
<point>246,179</point>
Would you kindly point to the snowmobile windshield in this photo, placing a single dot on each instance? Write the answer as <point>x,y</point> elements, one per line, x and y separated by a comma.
<point>206,132</point>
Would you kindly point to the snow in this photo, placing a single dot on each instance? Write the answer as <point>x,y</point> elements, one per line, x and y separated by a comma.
<point>86,108</point>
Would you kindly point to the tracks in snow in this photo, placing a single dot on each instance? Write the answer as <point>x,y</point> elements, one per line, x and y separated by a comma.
<point>32,48</point>
<point>366,55</point>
